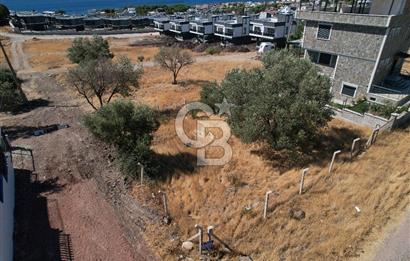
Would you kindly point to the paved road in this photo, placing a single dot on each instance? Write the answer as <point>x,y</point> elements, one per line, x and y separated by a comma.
<point>23,37</point>
<point>396,246</point>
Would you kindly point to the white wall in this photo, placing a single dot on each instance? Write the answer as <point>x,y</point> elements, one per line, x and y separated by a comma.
<point>7,214</point>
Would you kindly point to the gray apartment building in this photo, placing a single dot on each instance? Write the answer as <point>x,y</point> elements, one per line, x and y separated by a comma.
<point>361,47</point>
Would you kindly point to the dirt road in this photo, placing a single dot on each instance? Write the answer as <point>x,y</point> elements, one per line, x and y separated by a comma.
<point>396,246</point>
<point>79,201</point>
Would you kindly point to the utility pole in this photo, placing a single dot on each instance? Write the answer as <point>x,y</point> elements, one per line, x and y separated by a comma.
<point>8,62</point>
<point>13,72</point>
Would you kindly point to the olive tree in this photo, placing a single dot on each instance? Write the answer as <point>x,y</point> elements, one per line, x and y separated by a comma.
<point>11,94</point>
<point>99,80</point>
<point>173,59</point>
<point>130,129</point>
<point>283,103</point>
<point>87,49</point>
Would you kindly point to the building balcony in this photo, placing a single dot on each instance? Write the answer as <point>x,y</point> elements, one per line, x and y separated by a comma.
<point>159,27</point>
<point>259,33</point>
<point>228,34</point>
<point>395,89</point>
<point>197,30</point>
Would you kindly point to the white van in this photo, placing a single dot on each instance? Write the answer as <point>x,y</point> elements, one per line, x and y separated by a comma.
<point>265,47</point>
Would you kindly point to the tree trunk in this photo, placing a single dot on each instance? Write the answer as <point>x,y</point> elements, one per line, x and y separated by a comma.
<point>175,79</point>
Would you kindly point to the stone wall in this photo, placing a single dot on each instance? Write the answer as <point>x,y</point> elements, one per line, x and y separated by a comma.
<point>354,71</point>
<point>348,40</point>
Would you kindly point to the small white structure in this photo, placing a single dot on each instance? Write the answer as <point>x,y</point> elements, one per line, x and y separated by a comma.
<point>7,202</point>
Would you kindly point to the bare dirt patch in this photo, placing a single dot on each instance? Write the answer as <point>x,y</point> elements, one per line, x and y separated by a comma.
<point>80,203</point>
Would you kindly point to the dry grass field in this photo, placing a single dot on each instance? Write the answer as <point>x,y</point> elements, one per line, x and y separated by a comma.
<point>45,54</point>
<point>7,46</point>
<point>157,90</point>
<point>231,197</point>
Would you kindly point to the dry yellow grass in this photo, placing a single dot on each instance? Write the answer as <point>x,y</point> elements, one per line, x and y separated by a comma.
<point>406,66</point>
<point>157,90</point>
<point>378,182</point>
<point>51,54</point>
<point>7,46</point>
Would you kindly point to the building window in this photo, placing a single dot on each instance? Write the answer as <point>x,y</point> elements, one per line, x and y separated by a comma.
<point>323,31</point>
<point>323,58</point>
<point>348,90</point>
<point>270,31</point>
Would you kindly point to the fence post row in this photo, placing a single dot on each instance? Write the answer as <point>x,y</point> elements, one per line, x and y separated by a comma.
<point>265,207</point>
<point>333,160</point>
<point>353,147</point>
<point>302,180</point>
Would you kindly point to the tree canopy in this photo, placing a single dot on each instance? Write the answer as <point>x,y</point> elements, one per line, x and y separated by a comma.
<point>11,95</point>
<point>283,103</point>
<point>86,49</point>
<point>101,79</point>
<point>129,128</point>
<point>173,59</point>
<point>4,12</point>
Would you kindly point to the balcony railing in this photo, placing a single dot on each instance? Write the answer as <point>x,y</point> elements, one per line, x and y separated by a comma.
<point>259,32</point>
<point>355,6</point>
<point>198,29</point>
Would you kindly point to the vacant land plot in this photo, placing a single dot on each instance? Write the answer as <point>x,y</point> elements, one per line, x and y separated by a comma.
<point>231,197</point>
<point>157,90</point>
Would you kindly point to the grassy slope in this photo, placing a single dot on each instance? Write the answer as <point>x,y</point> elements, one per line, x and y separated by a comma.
<point>378,182</point>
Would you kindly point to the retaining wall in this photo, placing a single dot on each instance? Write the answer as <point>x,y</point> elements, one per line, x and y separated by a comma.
<point>373,121</point>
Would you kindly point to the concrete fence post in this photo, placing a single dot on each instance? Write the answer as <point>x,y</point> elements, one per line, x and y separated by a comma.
<point>333,160</point>
<point>373,137</point>
<point>200,238</point>
<point>165,202</point>
<point>376,133</point>
<point>302,180</point>
<point>353,147</point>
<point>141,173</point>
<point>265,207</point>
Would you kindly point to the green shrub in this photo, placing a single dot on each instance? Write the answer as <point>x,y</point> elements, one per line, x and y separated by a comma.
<point>4,12</point>
<point>360,107</point>
<point>213,50</point>
<point>283,103</point>
<point>85,49</point>
<point>382,110</point>
<point>137,152</point>
<point>129,128</point>
<point>11,98</point>
<point>211,94</point>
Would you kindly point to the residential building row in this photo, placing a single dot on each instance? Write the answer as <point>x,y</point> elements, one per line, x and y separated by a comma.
<point>265,26</point>
<point>32,21</point>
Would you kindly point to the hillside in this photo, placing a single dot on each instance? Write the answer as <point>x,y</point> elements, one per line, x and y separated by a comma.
<point>231,197</point>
